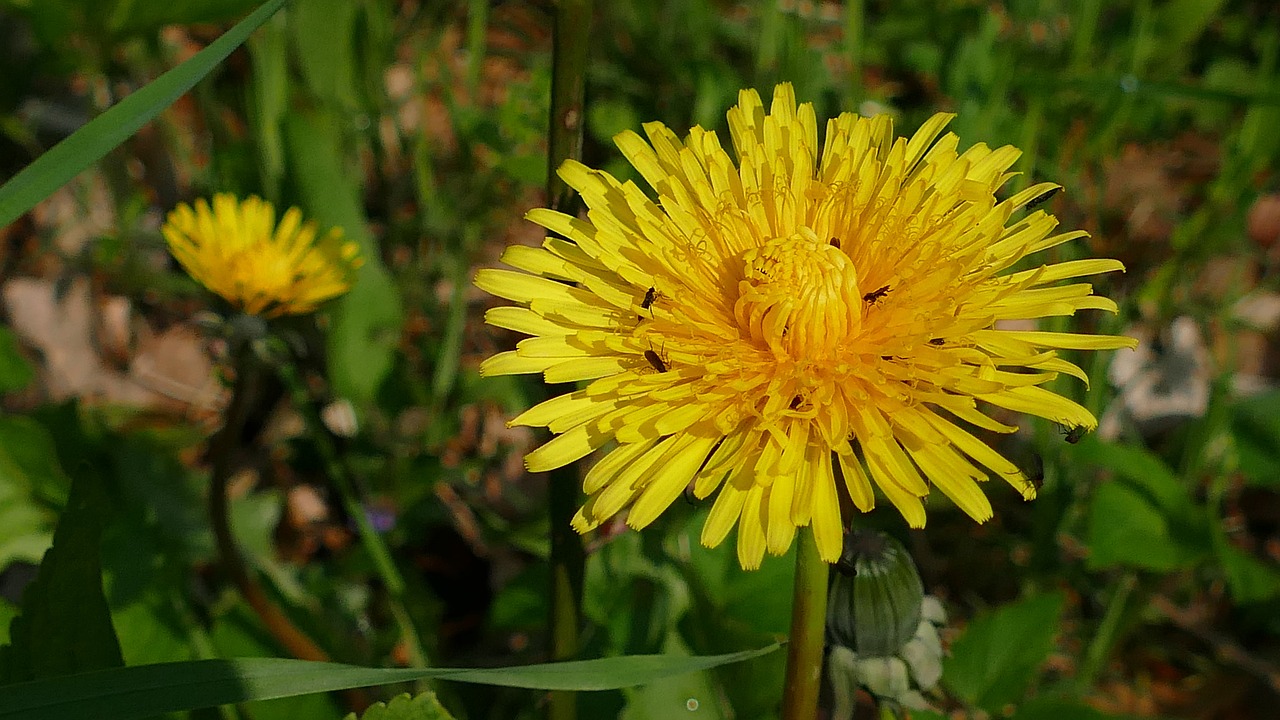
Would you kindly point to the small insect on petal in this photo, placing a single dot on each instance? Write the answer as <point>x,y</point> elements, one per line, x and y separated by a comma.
<point>655,360</point>
<point>649,296</point>
<point>1042,199</point>
<point>876,294</point>
<point>1073,434</point>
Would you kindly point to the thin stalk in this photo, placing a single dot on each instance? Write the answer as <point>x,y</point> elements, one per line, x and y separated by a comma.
<point>855,19</point>
<point>248,385</point>
<point>250,380</point>
<point>340,474</point>
<point>808,623</point>
<point>1105,637</point>
<point>564,142</point>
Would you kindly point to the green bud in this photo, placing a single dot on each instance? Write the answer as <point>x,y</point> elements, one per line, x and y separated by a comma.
<point>874,605</point>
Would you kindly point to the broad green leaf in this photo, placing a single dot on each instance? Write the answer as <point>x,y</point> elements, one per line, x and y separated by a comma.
<point>694,695</point>
<point>65,626</point>
<point>1255,425</point>
<point>1145,516</point>
<point>994,662</point>
<point>404,707</point>
<point>324,38</point>
<point>146,690</point>
<point>15,371</point>
<point>32,487</point>
<point>100,135</point>
<point>1250,580</point>
<point>1126,529</point>
<point>366,321</point>
<point>1143,469</point>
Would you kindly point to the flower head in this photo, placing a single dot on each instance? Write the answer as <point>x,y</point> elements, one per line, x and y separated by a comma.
<point>235,249</point>
<point>792,326</point>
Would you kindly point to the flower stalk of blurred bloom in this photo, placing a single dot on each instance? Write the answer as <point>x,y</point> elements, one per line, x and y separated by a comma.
<point>265,271</point>
<point>806,322</point>
<point>236,249</point>
<point>792,327</point>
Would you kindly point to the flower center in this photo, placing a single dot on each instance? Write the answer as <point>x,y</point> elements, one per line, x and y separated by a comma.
<point>799,296</point>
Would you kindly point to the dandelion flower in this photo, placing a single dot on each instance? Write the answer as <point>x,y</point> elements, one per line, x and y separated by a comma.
<point>793,327</point>
<point>235,249</point>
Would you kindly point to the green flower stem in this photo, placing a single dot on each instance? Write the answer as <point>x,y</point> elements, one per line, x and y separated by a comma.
<point>250,377</point>
<point>340,474</point>
<point>1104,638</point>
<point>250,380</point>
<point>564,141</point>
<point>808,623</point>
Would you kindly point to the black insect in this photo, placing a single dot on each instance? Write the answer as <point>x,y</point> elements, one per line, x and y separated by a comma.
<point>655,360</point>
<point>938,341</point>
<point>835,243</point>
<point>650,296</point>
<point>1034,471</point>
<point>1073,434</point>
<point>875,295</point>
<point>1042,198</point>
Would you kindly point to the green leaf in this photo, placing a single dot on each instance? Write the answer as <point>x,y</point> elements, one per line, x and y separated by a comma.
<point>32,484</point>
<point>15,371</point>
<point>1250,580</point>
<point>146,690</point>
<point>403,707</point>
<point>366,326</point>
<point>1144,518</point>
<point>323,33</point>
<point>99,136</point>
<point>1144,470</point>
<point>65,626</point>
<point>1001,652</point>
<point>1126,529</point>
<point>694,694</point>
<point>1256,427</point>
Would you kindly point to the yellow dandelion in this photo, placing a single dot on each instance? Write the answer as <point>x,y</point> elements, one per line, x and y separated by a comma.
<point>792,327</point>
<point>236,250</point>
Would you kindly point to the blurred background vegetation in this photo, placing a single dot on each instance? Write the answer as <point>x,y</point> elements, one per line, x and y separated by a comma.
<point>1142,583</point>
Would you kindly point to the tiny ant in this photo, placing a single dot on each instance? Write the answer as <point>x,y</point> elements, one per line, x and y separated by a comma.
<point>872,297</point>
<point>655,361</point>
<point>1041,199</point>
<point>1074,434</point>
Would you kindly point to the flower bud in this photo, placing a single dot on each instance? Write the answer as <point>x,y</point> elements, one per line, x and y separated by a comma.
<point>874,605</point>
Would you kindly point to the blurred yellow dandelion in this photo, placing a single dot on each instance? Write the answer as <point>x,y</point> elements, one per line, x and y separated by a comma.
<point>792,325</point>
<point>235,249</point>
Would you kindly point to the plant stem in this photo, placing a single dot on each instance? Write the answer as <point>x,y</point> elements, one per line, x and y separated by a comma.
<point>808,623</point>
<point>340,474</point>
<point>250,377</point>
<point>564,141</point>
<point>1104,638</point>
<point>250,380</point>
